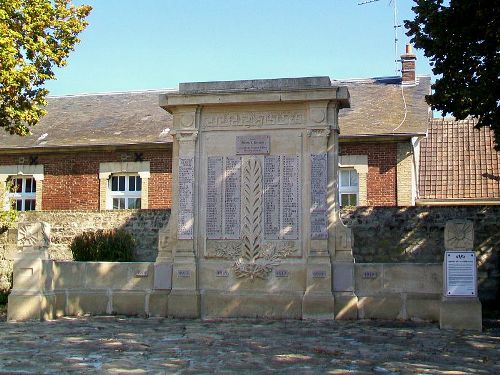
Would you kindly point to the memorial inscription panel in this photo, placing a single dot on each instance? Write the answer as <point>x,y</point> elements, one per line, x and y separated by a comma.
<point>271,197</point>
<point>214,197</point>
<point>318,196</point>
<point>232,194</point>
<point>185,218</point>
<point>290,198</point>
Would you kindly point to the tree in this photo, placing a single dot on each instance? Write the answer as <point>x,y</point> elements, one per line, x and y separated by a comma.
<point>462,41</point>
<point>7,217</point>
<point>35,37</point>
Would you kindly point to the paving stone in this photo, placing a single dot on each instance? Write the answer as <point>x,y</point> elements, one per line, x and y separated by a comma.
<point>116,344</point>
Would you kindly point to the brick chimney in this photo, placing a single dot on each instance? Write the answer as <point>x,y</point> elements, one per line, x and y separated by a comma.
<point>408,76</point>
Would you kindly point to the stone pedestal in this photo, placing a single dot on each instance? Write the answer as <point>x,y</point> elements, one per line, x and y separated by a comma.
<point>460,313</point>
<point>31,297</point>
<point>460,308</point>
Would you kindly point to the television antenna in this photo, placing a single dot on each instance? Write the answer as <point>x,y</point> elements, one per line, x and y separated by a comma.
<point>396,26</point>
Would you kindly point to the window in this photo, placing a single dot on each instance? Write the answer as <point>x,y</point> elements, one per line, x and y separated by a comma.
<point>22,192</point>
<point>125,191</point>
<point>348,187</point>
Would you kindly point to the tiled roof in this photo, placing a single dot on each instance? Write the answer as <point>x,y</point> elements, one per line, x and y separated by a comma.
<point>458,161</point>
<point>378,107</point>
<point>97,119</point>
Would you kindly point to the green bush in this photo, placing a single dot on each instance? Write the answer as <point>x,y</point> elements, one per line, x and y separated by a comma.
<point>103,246</point>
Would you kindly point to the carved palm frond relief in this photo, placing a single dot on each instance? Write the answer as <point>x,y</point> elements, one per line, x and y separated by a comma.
<point>252,208</point>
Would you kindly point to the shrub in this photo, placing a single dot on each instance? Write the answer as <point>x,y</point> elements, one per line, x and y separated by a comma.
<point>103,246</point>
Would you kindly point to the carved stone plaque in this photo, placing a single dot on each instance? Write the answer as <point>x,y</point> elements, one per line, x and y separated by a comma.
<point>290,198</point>
<point>185,219</point>
<point>34,235</point>
<point>253,144</point>
<point>232,195</point>
<point>459,235</point>
<point>272,197</point>
<point>318,196</point>
<point>214,197</point>
<point>460,274</point>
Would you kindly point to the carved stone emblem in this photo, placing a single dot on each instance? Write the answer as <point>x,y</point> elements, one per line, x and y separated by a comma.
<point>36,235</point>
<point>253,258</point>
<point>459,235</point>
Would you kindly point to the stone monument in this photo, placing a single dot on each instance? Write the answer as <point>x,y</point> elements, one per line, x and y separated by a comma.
<point>254,228</point>
<point>29,298</point>
<point>460,306</point>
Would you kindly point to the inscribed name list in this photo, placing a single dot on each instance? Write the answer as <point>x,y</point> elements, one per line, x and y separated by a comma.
<point>290,198</point>
<point>272,197</point>
<point>214,197</point>
<point>318,211</point>
<point>185,218</point>
<point>232,195</point>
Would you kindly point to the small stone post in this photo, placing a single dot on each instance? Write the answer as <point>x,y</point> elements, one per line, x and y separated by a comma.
<point>31,297</point>
<point>460,306</point>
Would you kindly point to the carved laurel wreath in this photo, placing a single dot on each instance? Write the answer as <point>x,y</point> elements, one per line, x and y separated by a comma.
<point>252,258</point>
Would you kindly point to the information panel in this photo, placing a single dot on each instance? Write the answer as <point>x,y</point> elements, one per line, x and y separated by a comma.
<point>460,274</point>
<point>214,197</point>
<point>319,180</point>
<point>232,194</point>
<point>185,218</point>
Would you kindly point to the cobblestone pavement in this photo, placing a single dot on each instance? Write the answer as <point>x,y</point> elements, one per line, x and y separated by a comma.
<point>132,345</point>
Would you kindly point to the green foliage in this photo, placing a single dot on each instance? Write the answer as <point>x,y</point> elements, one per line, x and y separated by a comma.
<point>103,246</point>
<point>35,36</point>
<point>462,41</point>
<point>8,218</point>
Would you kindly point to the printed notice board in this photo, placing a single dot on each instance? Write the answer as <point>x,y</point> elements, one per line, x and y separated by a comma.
<point>460,274</point>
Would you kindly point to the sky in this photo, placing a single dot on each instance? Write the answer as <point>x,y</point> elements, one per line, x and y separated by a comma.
<point>134,45</point>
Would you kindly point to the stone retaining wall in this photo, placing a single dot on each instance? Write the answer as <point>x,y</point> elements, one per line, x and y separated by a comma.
<point>416,234</point>
<point>65,225</point>
<point>381,235</point>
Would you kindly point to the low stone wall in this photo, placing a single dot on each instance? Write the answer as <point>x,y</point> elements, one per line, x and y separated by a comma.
<point>65,225</point>
<point>60,288</point>
<point>399,291</point>
<point>416,234</point>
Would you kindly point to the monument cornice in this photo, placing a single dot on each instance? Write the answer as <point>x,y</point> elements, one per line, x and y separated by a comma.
<point>171,101</point>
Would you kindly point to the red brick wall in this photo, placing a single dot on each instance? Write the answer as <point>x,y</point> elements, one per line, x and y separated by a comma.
<point>71,180</point>
<point>382,161</point>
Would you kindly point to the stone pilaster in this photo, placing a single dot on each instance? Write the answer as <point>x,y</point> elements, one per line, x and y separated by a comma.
<point>404,170</point>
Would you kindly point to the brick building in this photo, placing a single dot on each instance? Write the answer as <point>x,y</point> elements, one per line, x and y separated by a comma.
<point>113,151</point>
<point>92,152</point>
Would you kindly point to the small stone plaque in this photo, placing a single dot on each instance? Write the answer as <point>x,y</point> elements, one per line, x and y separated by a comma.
<point>183,273</point>
<point>460,274</point>
<point>253,144</point>
<point>319,274</point>
<point>281,273</point>
<point>222,273</point>
<point>369,275</point>
<point>141,273</point>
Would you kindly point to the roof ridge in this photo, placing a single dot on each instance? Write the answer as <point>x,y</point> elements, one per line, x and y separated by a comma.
<point>112,93</point>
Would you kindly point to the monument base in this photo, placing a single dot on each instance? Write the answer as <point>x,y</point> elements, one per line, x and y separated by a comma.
<point>30,306</point>
<point>346,306</point>
<point>219,304</point>
<point>184,304</point>
<point>460,313</point>
<point>318,306</point>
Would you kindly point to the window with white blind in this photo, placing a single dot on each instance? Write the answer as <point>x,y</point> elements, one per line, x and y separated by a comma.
<point>348,187</point>
<point>125,191</point>
<point>22,192</point>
